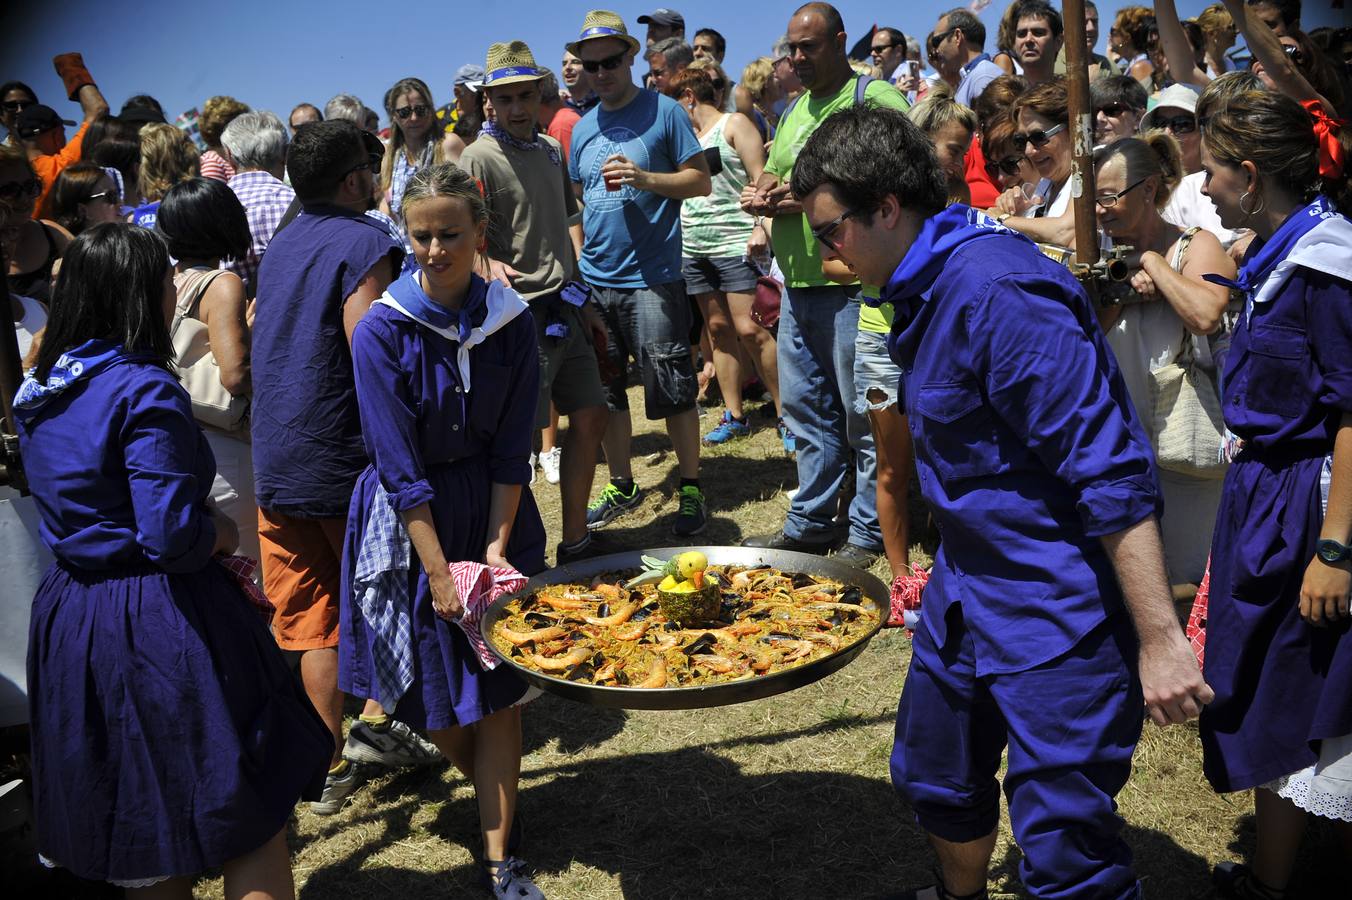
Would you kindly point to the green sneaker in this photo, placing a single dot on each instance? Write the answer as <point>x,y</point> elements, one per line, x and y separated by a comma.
<point>691,517</point>
<point>613,501</point>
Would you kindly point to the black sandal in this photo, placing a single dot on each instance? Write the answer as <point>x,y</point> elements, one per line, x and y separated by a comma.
<point>507,879</point>
<point>1236,881</point>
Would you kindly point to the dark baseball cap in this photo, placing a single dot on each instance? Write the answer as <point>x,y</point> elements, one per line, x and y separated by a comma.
<point>667,17</point>
<point>36,119</point>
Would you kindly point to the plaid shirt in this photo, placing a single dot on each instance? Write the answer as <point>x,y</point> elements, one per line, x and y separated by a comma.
<point>265,201</point>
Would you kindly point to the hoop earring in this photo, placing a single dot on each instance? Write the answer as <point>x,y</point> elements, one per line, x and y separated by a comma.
<point>1250,213</point>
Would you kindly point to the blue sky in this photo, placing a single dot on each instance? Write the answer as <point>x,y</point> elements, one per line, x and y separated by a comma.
<point>272,55</point>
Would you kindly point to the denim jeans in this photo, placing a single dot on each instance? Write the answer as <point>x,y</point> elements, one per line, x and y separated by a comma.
<point>817,329</point>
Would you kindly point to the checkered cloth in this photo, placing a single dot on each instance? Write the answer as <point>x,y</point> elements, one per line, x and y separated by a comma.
<point>478,586</point>
<point>265,201</point>
<point>380,585</point>
<point>905,596</point>
<point>242,569</point>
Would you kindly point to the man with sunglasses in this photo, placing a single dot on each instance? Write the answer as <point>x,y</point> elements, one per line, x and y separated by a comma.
<point>634,159</point>
<point>887,49</point>
<point>819,316</point>
<point>320,274</point>
<point>15,96</point>
<point>957,47</point>
<point>1047,619</point>
<point>41,130</point>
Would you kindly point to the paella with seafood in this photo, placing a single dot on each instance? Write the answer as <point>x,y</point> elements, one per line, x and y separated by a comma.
<point>682,623</point>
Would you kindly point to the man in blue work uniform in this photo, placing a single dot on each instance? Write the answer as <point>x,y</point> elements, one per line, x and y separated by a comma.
<point>1048,618</point>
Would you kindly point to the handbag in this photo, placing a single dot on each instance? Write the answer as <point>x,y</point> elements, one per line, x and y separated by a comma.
<point>765,305</point>
<point>1186,420</point>
<point>212,404</point>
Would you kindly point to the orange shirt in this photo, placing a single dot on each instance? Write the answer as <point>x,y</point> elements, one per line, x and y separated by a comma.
<point>50,165</point>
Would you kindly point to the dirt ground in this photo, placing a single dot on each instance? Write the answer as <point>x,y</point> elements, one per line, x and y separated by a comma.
<point>787,797</point>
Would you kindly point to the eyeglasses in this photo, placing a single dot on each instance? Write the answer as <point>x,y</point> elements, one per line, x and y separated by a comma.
<point>1108,201</point>
<point>1009,164</point>
<point>718,84</point>
<point>17,105</point>
<point>1177,124</point>
<point>610,63</point>
<point>112,197</point>
<point>373,161</point>
<point>13,190</point>
<point>824,232</point>
<point>1113,110</point>
<point>881,49</point>
<point>938,39</point>
<point>417,109</point>
<point>1038,139</point>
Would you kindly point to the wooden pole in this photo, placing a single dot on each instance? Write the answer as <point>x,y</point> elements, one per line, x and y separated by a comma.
<point>1081,134</point>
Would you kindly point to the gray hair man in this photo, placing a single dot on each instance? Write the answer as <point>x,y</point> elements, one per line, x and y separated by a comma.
<point>667,59</point>
<point>346,107</point>
<point>256,143</point>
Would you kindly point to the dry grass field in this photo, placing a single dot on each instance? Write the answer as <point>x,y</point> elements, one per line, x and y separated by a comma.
<point>787,797</point>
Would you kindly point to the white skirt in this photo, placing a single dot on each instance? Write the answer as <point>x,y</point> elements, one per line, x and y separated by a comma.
<point>1325,788</point>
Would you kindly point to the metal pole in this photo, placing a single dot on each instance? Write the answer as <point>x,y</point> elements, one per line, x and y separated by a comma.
<point>1081,134</point>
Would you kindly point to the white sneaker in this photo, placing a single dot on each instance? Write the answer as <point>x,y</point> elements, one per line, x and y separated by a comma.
<point>391,748</point>
<point>549,461</point>
<point>337,788</point>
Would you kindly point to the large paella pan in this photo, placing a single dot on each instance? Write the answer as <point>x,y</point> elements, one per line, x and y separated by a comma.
<point>835,609</point>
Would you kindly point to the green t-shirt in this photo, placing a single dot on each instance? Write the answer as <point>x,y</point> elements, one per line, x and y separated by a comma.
<point>795,248</point>
<point>877,319</point>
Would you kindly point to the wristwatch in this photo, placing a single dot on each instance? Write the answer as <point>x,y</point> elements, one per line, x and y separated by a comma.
<point>1333,552</point>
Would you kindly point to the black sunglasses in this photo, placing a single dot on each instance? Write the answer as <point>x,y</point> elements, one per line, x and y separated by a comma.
<point>1038,138</point>
<point>882,48</point>
<point>940,38</point>
<point>824,232</point>
<point>1009,164</point>
<point>1177,124</point>
<point>419,109</point>
<point>718,84</point>
<point>1113,110</point>
<point>18,105</point>
<point>373,161</point>
<point>113,197</point>
<point>13,190</point>
<point>610,63</point>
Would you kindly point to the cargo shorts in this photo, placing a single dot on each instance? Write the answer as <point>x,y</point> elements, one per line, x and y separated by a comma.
<point>569,374</point>
<point>651,324</point>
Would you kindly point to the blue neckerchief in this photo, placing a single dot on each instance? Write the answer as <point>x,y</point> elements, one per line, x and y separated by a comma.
<point>504,137</point>
<point>408,291</point>
<point>940,235</point>
<point>1263,256</point>
<point>73,366</point>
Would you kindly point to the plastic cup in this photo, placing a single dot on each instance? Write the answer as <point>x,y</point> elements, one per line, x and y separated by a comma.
<point>612,181</point>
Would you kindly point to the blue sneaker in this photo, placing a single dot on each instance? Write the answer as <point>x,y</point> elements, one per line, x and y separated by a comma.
<point>786,436</point>
<point>728,429</point>
<point>613,501</point>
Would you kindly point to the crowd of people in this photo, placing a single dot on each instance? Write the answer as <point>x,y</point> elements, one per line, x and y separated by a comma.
<point>311,367</point>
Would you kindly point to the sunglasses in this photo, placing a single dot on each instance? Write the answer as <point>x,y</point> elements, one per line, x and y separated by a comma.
<point>373,161</point>
<point>17,105</point>
<point>1009,164</point>
<point>418,109</point>
<point>610,63</point>
<point>1108,201</point>
<point>13,190</point>
<point>112,197</point>
<point>940,38</point>
<point>1038,139</point>
<point>881,49</point>
<point>719,84</point>
<point>824,232</point>
<point>1113,110</point>
<point>1177,124</point>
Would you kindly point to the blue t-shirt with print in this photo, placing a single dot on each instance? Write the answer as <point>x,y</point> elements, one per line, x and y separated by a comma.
<point>633,237</point>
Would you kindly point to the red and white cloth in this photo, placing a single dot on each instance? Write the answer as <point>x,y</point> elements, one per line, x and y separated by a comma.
<point>242,569</point>
<point>1196,630</point>
<point>478,586</point>
<point>905,596</point>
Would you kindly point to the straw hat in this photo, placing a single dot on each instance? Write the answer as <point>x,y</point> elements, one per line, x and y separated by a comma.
<point>510,63</point>
<point>602,23</point>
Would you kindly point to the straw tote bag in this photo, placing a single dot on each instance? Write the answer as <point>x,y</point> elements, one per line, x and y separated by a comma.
<point>1185,409</point>
<point>212,404</point>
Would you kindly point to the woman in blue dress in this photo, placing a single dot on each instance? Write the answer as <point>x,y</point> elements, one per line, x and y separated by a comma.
<point>1278,651</point>
<point>446,368</point>
<point>168,734</point>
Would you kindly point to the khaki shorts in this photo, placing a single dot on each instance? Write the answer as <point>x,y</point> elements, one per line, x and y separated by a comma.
<point>569,374</point>
<point>302,574</point>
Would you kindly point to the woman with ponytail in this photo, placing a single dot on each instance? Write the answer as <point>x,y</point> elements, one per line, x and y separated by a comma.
<point>1278,650</point>
<point>1176,309</point>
